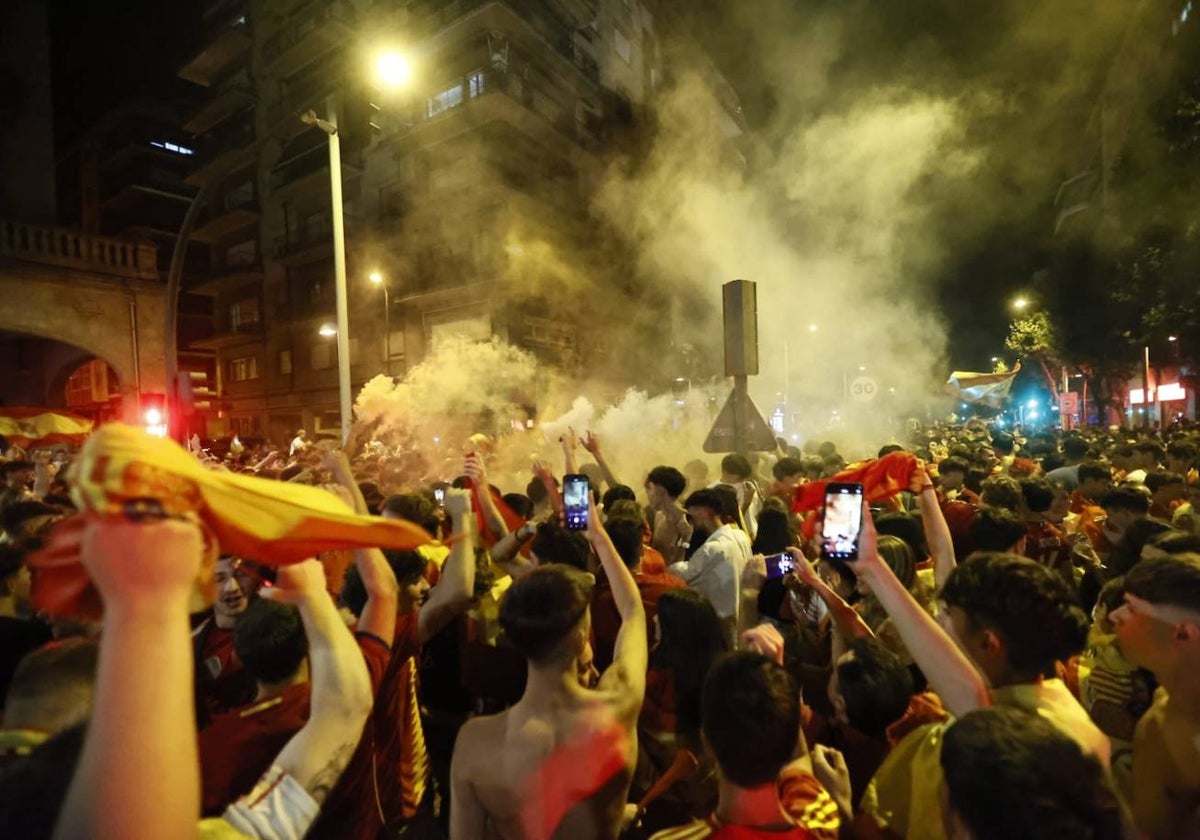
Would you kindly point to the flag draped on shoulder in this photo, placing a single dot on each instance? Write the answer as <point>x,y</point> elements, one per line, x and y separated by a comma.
<point>27,427</point>
<point>989,389</point>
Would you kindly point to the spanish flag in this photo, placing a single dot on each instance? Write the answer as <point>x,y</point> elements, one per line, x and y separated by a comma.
<point>25,427</point>
<point>989,389</point>
<point>122,471</point>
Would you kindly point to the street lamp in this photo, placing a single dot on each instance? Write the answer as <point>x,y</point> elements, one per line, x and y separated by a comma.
<point>377,278</point>
<point>327,330</point>
<point>1020,303</point>
<point>391,70</point>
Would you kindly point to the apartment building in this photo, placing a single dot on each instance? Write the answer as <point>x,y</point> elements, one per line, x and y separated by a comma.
<point>456,187</point>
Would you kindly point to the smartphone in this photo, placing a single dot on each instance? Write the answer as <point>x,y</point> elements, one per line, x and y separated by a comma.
<point>779,565</point>
<point>842,521</point>
<point>439,496</point>
<point>575,501</point>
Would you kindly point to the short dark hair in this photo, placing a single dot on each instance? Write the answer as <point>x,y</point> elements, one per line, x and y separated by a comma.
<point>1149,447</point>
<point>12,558</point>
<point>1159,479</point>
<point>1176,542</point>
<point>1183,450</point>
<point>952,464</point>
<point>555,544</point>
<point>996,529</point>
<point>905,526</point>
<point>415,508</point>
<point>15,466</point>
<point>519,503</point>
<point>1002,491</point>
<point>1171,581</point>
<point>1094,471</point>
<point>269,640</point>
<point>615,494</point>
<point>707,498</point>
<point>1025,603</point>
<point>627,538</point>
<point>536,491</point>
<point>627,509</point>
<point>17,514</point>
<point>1075,447</point>
<point>1126,499</point>
<point>785,467</point>
<point>750,716</point>
<point>408,566</point>
<point>876,686</point>
<point>669,479</point>
<point>52,686</point>
<point>1003,443</point>
<point>542,607</point>
<point>739,465</point>
<point>1038,494</point>
<point>888,449</point>
<point>1011,773</point>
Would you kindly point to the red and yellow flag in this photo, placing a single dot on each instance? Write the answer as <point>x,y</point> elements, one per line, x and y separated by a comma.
<point>26,427</point>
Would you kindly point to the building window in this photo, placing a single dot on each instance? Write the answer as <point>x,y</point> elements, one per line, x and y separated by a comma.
<point>242,254</point>
<point>476,83</point>
<point>285,362</point>
<point>244,313</point>
<point>621,45</point>
<point>321,356</point>
<point>172,147</point>
<point>243,369</point>
<point>449,98</point>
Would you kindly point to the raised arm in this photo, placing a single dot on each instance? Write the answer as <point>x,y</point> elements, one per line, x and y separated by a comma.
<point>591,442</point>
<point>338,465</point>
<point>846,620</point>
<point>630,653</point>
<point>476,470</point>
<point>506,552</point>
<point>950,673</point>
<point>937,532</point>
<point>456,585</point>
<point>569,442</point>
<point>383,594</point>
<point>143,716</point>
<point>341,687</point>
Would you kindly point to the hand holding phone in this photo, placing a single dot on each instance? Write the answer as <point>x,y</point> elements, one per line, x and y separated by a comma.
<point>576,498</point>
<point>842,521</point>
<point>779,565</point>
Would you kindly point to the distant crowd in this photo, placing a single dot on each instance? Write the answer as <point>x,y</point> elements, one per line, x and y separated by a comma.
<point>1013,653</point>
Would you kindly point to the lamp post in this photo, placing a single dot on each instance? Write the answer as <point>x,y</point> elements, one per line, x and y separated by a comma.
<point>377,278</point>
<point>392,70</point>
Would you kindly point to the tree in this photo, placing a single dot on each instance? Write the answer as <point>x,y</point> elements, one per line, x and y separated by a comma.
<point>1033,337</point>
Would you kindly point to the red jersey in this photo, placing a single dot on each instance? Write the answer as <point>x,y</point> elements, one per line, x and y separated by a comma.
<point>1046,545</point>
<point>606,621</point>
<point>242,744</point>
<point>388,771</point>
<point>221,682</point>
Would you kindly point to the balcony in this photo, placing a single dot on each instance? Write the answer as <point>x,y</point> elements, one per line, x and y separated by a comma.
<point>220,147</point>
<point>309,242</point>
<point>226,39</point>
<point>68,249</point>
<point>144,183</point>
<point>224,220</point>
<point>230,276</point>
<point>309,32</point>
<point>235,95</point>
<point>232,335</point>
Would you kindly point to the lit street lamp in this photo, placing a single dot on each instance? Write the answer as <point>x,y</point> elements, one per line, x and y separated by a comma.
<point>1020,303</point>
<point>391,70</point>
<point>327,330</point>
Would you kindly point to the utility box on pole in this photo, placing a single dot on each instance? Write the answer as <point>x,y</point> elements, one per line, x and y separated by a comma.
<point>740,306</point>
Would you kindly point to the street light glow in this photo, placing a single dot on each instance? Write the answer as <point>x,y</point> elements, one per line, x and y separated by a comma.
<point>1020,303</point>
<point>328,330</point>
<point>1032,403</point>
<point>376,278</point>
<point>812,327</point>
<point>1172,338</point>
<point>393,69</point>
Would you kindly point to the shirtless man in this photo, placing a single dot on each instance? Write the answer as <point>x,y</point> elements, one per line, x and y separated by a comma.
<point>557,764</point>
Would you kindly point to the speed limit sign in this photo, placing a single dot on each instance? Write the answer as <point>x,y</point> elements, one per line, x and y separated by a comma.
<point>863,389</point>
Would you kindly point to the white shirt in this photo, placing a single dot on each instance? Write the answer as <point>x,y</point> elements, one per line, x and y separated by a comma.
<point>715,570</point>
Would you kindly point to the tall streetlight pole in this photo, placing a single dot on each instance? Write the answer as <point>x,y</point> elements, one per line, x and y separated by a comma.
<point>377,279</point>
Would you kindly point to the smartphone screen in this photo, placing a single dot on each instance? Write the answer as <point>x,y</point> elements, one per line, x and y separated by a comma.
<point>439,495</point>
<point>779,565</point>
<point>842,522</point>
<point>575,501</point>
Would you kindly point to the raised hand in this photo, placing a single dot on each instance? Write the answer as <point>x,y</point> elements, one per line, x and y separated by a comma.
<point>297,584</point>
<point>132,561</point>
<point>458,502</point>
<point>591,442</point>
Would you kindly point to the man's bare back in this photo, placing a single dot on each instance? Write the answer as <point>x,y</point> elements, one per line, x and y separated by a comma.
<point>558,767</point>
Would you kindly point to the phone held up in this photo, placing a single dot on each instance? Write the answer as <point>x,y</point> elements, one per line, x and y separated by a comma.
<point>439,495</point>
<point>842,521</point>
<point>575,501</point>
<point>779,565</point>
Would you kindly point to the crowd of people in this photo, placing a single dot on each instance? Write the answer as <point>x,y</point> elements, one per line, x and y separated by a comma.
<point>1014,653</point>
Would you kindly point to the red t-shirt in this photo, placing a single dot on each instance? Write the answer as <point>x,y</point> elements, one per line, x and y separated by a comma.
<point>1045,544</point>
<point>242,744</point>
<point>606,621</point>
<point>382,767</point>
